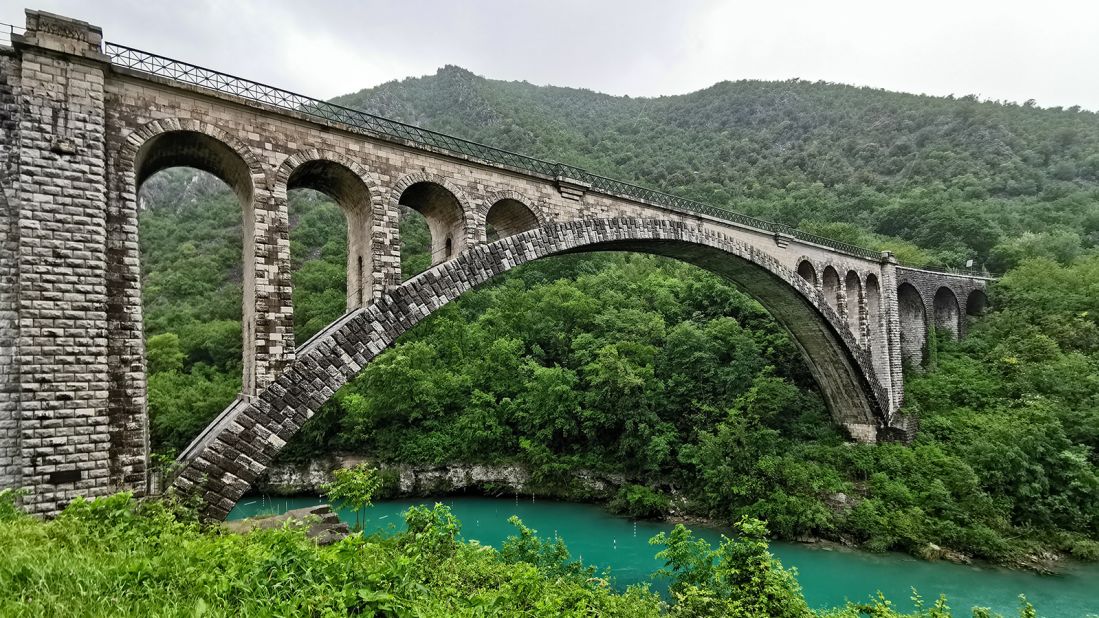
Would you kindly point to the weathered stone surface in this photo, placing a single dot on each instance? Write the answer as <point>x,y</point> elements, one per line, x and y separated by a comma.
<point>422,480</point>
<point>79,135</point>
<point>322,524</point>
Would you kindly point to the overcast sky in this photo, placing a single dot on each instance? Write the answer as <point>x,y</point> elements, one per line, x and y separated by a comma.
<point>1047,50</point>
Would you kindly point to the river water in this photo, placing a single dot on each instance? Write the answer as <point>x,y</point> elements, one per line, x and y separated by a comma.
<point>828,577</point>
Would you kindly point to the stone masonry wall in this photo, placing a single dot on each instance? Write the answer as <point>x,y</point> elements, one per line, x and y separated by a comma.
<point>61,201</point>
<point>10,458</point>
<point>127,396</point>
<point>927,283</point>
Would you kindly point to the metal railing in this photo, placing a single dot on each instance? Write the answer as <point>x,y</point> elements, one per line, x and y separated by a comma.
<point>376,126</point>
<point>966,272</point>
<point>6,32</point>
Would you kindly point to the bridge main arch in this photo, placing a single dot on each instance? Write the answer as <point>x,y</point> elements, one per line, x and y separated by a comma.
<point>237,447</point>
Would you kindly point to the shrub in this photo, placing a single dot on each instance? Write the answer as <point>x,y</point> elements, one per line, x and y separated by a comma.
<point>639,501</point>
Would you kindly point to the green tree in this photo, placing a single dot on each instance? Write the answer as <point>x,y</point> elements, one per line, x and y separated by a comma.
<point>353,488</point>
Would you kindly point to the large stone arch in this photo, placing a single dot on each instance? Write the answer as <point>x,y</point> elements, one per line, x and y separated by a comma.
<point>359,196</point>
<point>128,164</point>
<point>450,234</point>
<point>233,451</point>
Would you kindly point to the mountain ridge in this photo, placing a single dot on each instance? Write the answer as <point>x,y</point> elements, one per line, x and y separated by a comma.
<point>918,168</point>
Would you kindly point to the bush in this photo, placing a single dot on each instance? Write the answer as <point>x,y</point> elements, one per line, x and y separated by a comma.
<point>639,501</point>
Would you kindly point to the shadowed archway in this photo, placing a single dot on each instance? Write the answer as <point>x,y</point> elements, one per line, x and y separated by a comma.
<point>807,272</point>
<point>508,217</point>
<point>913,321</point>
<point>229,455</point>
<point>947,312</point>
<point>976,303</point>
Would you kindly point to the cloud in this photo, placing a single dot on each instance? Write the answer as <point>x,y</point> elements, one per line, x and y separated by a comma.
<point>1008,49</point>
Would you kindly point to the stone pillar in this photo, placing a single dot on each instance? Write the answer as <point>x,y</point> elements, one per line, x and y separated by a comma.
<point>892,321</point>
<point>10,457</point>
<point>268,285</point>
<point>61,201</point>
<point>127,410</point>
<point>864,317</point>
<point>385,246</point>
<point>841,304</point>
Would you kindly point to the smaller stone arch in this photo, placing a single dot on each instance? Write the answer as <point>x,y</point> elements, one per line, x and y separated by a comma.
<point>446,208</point>
<point>976,303</point>
<point>947,312</point>
<point>913,318</point>
<point>508,212</point>
<point>186,142</point>
<point>875,331</point>
<point>358,195</point>
<point>135,163</point>
<point>830,287</point>
<point>807,271</point>
<point>855,301</point>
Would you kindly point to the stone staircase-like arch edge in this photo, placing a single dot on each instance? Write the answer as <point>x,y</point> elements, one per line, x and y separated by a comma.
<point>238,446</point>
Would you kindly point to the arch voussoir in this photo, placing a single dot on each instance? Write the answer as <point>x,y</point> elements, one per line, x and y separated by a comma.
<point>222,464</point>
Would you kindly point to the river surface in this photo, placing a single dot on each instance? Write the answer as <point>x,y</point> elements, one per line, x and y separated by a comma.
<point>829,577</point>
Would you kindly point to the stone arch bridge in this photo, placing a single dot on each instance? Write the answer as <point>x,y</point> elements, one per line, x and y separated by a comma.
<point>85,122</point>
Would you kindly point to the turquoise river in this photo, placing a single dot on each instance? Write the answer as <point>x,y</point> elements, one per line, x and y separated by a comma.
<point>829,577</point>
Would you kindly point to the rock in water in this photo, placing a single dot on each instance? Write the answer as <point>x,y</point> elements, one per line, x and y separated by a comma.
<point>324,525</point>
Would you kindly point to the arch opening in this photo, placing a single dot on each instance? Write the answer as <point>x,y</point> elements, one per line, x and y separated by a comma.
<point>976,304</point>
<point>947,312</point>
<point>807,272</point>
<point>830,285</point>
<point>335,273</point>
<point>508,217</point>
<point>874,328</point>
<point>195,225</point>
<point>913,318</point>
<point>853,398</point>
<point>875,341</point>
<point>444,217</point>
<point>194,150</point>
<point>853,285</point>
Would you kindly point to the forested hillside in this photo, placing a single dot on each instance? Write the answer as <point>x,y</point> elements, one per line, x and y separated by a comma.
<point>957,177</point>
<point>667,375</point>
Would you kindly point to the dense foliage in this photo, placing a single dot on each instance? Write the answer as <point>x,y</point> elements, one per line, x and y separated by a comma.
<point>118,557</point>
<point>667,375</point>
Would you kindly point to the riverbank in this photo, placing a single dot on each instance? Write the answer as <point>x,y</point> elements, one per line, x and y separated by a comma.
<point>830,575</point>
<point>410,481</point>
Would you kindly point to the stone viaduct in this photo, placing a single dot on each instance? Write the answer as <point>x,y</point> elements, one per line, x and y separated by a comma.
<point>85,122</point>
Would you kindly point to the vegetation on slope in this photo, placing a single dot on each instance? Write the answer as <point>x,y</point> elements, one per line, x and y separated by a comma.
<point>954,176</point>
<point>666,374</point>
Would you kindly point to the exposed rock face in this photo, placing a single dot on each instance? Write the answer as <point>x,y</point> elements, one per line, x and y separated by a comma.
<point>324,525</point>
<point>286,479</point>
